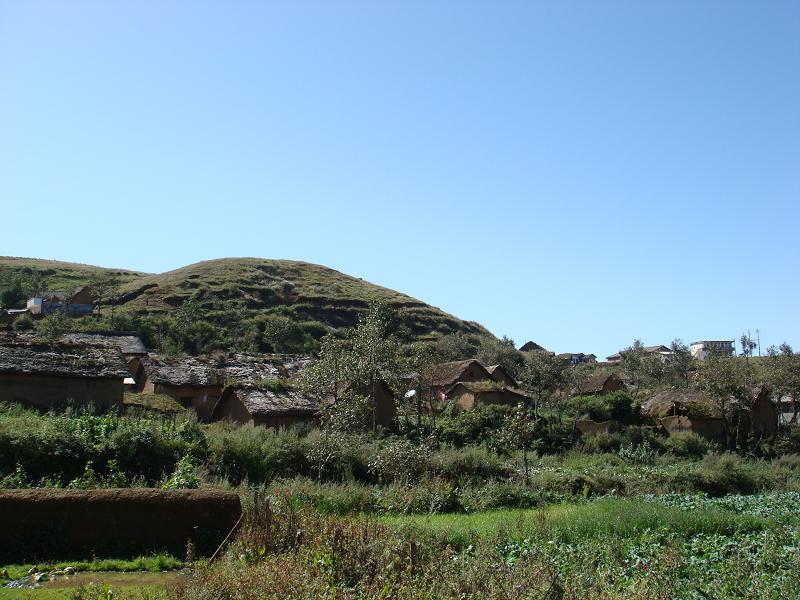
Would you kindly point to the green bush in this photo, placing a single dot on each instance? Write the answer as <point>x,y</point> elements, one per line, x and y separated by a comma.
<point>23,323</point>
<point>688,444</point>
<point>616,406</point>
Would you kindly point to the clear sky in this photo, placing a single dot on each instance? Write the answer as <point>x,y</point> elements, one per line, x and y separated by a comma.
<point>575,173</point>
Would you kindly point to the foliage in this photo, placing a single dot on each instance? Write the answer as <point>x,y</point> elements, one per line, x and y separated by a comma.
<point>184,476</point>
<point>615,406</point>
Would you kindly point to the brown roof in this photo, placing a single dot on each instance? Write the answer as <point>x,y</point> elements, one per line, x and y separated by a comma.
<point>497,370</point>
<point>444,374</point>
<point>530,346</point>
<point>263,403</point>
<point>594,384</point>
<point>30,355</point>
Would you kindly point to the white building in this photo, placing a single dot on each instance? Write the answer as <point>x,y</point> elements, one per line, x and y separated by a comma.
<point>700,350</point>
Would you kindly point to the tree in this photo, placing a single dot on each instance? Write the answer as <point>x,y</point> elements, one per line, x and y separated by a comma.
<point>519,431</point>
<point>456,346</point>
<point>680,363</point>
<point>501,352</point>
<point>101,287</point>
<point>542,373</point>
<point>782,373</point>
<point>748,345</point>
<point>725,379</point>
<point>358,362</point>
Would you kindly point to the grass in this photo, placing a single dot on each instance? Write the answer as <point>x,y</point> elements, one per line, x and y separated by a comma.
<point>570,523</point>
<point>157,402</point>
<point>155,563</point>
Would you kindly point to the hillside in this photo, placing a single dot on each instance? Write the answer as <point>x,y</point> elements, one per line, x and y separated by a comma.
<point>303,292</point>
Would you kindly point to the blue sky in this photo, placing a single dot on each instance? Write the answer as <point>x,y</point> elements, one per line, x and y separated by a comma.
<point>576,173</point>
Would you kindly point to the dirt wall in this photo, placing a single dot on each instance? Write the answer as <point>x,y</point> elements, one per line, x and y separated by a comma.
<point>47,524</point>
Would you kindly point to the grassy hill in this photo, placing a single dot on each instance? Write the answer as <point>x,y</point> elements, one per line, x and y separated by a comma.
<point>232,290</point>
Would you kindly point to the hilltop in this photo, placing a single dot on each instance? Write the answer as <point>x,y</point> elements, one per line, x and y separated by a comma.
<point>315,296</point>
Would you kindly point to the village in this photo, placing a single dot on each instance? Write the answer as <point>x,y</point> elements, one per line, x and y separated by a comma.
<point>113,370</point>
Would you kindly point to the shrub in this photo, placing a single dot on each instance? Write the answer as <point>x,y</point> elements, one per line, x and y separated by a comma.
<point>400,460</point>
<point>23,323</point>
<point>688,444</point>
<point>616,406</point>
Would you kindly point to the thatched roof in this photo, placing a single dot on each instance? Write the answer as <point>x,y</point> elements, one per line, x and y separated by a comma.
<point>594,384</point>
<point>265,403</point>
<point>480,387</point>
<point>444,374</point>
<point>691,403</point>
<point>179,371</point>
<point>128,344</point>
<point>249,369</point>
<point>30,355</point>
<point>500,373</point>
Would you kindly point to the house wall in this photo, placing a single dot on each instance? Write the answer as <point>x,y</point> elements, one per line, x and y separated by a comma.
<point>612,384</point>
<point>199,398</point>
<point>230,408</point>
<point>764,417</point>
<point>712,429</point>
<point>472,373</point>
<point>45,392</point>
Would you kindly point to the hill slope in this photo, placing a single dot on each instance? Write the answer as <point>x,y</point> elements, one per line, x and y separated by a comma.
<point>299,290</point>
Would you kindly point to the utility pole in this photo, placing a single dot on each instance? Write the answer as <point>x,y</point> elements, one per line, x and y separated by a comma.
<point>758,339</point>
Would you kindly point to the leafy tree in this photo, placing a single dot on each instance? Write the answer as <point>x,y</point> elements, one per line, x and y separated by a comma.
<point>748,345</point>
<point>501,352</point>
<point>543,373</point>
<point>457,346</point>
<point>680,363</point>
<point>54,325</point>
<point>640,367</point>
<point>782,373</point>
<point>102,287</point>
<point>725,378</point>
<point>520,431</point>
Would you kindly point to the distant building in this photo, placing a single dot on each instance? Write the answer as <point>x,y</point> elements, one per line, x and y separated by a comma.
<point>77,303</point>
<point>531,347</point>
<point>577,358</point>
<point>663,352</point>
<point>702,349</point>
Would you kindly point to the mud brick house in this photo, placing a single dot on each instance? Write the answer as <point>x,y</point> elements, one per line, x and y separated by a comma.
<point>49,374</point>
<point>693,410</point>
<point>277,407</point>
<point>468,395</point>
<point>78,302</point>
<point>192,382</point>
<point>599,385</point>
<point>441,377</point>
<point>199,383</point>
<point>501,375</point>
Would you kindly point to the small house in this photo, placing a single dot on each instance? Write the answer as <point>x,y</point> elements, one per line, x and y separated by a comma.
<point>76,303</point>
<point>443,376</point>
<point>702,349</point>
<point>531,347</point>
<point>577,358</point>
<point>276,407</point>
<point>662,352</point>
<point>51,374</point>
<point>599,385</point>
<point>191,381</point>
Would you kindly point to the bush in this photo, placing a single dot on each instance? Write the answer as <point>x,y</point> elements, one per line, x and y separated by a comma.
<point>688,444</point>
<point>616,406</point>
<point>23,323</point>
